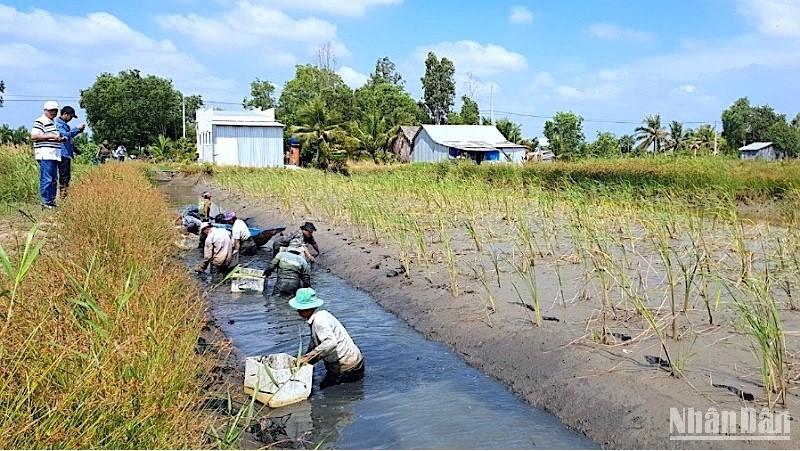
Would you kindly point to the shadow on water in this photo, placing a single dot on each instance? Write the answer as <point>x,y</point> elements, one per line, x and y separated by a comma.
<point>416,393</point>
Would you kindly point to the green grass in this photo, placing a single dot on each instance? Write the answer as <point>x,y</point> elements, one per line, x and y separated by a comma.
<point>19,177</point>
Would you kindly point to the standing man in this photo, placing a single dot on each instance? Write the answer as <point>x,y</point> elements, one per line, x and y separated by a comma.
<point>121,152</point>
<point>329,342</point>
<point>104,152</point>
<point>47,149</point>
<point>67,148</point>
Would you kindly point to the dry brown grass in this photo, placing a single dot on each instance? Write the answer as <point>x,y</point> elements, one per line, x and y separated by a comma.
<point>97,349</point>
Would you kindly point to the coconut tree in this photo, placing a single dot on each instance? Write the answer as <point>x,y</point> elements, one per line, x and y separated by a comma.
<point>651,133</point>
<point>677,136</point>
<point>6,134</point>
<point>21,136</point>
<point>372,134</point>
<point>626,143</point>
<point>320,136</point>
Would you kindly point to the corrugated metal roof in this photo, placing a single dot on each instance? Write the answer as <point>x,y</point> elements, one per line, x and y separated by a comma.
<point>756,146</point>
<point>251,118</point>
<point>469,137</point>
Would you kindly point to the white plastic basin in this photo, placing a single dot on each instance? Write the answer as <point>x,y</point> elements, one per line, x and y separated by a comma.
<point>276,381</point>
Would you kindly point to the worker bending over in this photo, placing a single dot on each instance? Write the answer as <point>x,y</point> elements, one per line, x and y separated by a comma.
<point>217,251</point>
<point>293,271</point>
<point>242,240</point>
<point>330,341</point>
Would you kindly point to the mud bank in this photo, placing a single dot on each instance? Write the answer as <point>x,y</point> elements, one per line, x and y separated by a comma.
<point>610,393</point>
<point>225,396</point>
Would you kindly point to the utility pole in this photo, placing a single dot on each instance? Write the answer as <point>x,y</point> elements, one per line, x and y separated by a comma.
<point>491,102</point>
<point>183,113</point>
<point>715,137</point>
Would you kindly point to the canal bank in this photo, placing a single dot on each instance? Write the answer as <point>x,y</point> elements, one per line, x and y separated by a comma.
<point>417,393</point>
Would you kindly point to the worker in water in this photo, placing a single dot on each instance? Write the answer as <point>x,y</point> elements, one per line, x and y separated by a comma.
<point>305,234</point>
<point>293,271</point>
<point>204,206</point>
<point>330,341</point>
<point>217,250</point>
<point>240,234</point>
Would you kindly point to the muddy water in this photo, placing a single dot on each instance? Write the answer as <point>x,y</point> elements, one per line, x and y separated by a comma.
<point>416,393</point>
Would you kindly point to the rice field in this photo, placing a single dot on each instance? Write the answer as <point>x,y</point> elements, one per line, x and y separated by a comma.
<point>664,249</point>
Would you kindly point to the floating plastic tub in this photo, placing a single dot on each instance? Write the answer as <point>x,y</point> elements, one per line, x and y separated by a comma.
<point>248,280</point>
<point>276,381</point>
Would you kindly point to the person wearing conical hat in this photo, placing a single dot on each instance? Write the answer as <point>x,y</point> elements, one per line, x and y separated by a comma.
<point>330,341</point>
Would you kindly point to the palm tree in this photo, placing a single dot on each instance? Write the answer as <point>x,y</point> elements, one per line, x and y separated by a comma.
<point>651,133</point>
<point>626,143</point>
<point>677,135</point>
<point>320,135</point>
<point>510,130</point>
<point>373,136</point>
<point>21,136</point>
<point>703,139</point>
<point>6,134</point>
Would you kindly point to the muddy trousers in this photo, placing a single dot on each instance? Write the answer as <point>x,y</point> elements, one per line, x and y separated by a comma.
<point>248,247</point>
<point>333,377</point>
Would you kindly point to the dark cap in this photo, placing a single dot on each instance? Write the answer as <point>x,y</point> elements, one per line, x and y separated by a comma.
<point>308,226</point>
<point>69,110</point>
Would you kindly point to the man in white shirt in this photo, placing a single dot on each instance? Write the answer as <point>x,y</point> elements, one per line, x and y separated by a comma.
<point>330,341</point>
<point>217,251</point>
<point>47,149</point>
<point>242,240</point>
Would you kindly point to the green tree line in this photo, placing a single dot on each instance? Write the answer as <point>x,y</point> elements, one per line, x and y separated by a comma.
<point>336,123</point>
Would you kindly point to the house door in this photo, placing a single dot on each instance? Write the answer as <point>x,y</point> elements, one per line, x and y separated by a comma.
<point>226,151</point>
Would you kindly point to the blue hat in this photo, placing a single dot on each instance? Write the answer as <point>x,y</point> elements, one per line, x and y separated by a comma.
<point>305,299</point>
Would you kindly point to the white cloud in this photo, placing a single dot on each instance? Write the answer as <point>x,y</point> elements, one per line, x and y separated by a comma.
<point>688,89</point>
<point>520,15</point>
<point>352,77</point>
<point>601,92</point>
<point>773,17</point>
<point>542,80</point>
<point>248,24</point>
<point>611,74</point>
<point>615,32</point>
<point>713,58</point>
<point>17,56</point>
<point>350,8</point>
<point>470,56</point>
<point>283,59</point>
<point>99,42</point>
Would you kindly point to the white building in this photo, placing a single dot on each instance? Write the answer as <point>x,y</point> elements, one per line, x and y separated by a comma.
<point>482,143</point>
<point>240,138</point>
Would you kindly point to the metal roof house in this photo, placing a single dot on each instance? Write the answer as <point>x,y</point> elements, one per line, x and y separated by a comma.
<point>481,143</point>
<point>239,138</point>
<point>759,150</point>
<point>403,143</point>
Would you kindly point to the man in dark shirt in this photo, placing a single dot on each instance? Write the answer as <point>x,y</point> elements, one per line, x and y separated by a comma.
<point>306,234</point>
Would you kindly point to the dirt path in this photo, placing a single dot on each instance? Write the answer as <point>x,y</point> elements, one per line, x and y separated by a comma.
<point>610,393</point>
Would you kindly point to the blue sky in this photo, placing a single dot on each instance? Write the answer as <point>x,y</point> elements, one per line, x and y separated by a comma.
<point>611,61</point>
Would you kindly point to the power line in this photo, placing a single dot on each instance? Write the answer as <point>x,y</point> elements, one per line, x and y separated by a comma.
<point>602,121</point>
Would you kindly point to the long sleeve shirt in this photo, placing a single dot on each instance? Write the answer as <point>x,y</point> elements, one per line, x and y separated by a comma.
<point>331,343</point>
<point>218,250</point>
<point>293,272</point>
<point>67,147</point>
